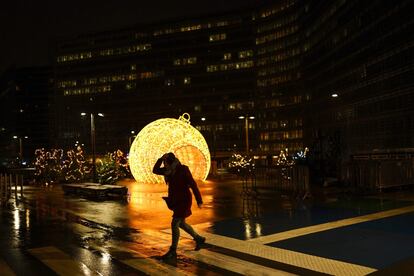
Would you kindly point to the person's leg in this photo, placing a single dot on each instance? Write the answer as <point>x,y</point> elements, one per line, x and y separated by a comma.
<point>190,230</point>
<point>175,236</point>
<point>175,231</point>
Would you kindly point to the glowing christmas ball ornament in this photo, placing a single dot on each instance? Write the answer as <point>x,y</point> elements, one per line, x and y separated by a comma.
<point>169,135</point>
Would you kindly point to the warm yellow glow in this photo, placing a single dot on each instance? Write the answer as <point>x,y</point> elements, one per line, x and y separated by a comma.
<point>169,135</point>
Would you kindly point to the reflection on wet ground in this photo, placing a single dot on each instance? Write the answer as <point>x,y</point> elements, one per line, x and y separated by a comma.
<point>113,236</point>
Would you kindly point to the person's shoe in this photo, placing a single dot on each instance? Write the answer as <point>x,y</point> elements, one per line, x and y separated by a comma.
<point>170,255</point>
<point>199,243</point>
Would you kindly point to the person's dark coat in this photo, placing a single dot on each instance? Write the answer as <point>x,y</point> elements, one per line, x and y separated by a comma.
<point>179,185</point>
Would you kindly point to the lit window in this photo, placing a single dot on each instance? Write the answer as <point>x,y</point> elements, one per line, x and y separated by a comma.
<point>169,82</point>
<point>187,80</point>
<point>133,67</point>
<point>217,37</point>
<point>245,54</point>
<point>227,56</point>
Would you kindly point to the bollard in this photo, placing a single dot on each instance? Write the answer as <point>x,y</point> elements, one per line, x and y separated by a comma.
<point>21,186</point>
<point>6,189</point>
<point>15,186</point>
<point>1,187</point>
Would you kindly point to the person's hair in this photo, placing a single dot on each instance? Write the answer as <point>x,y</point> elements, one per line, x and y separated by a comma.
<point>170,158</point>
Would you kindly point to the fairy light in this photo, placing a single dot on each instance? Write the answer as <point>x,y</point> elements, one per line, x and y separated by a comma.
<point>169,135</point>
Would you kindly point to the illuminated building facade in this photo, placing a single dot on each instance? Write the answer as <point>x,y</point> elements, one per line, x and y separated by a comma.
<point>330,75</point>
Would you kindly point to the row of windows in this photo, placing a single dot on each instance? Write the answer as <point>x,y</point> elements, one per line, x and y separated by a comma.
<point>283,44</point>
<point>230,66</point>
<point>67,83</point>
<point>95,80</point>
<point>105,52</point>
<point>171,82</point>
<point>277,80</point>
<point>294,99</point>
<point>185,61</point>
<point>280,68</point>
<point>240,106</point>
<point>279,8</point>
<point>281,135</point>
<point>217,37</point>
<point>241,55</point>
<point>71,57</point>
<point>277,24</point>
<point>279,34</point>
<point>221,127</point>
<point>116,78</point>
<point>150,75</point>
<point>279,56</point>
<point>276,124</point>
<point>277,147</point>
<point>86,90</point>
<point>189,28</point>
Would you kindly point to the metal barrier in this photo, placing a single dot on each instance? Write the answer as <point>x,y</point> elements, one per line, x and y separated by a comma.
<point>381,170</point>
<point>7,182</point>
<point>292,179</point>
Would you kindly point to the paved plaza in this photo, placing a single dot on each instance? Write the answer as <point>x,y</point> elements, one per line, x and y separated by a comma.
<point>248,232</point>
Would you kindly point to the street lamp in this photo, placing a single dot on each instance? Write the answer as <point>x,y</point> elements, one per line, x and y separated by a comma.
<point>246,126</point>
<point>93,141</point>
<point>20,145</point>
<point>131,137</point>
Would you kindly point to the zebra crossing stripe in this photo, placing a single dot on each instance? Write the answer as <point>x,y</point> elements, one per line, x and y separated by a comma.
<point>5,270</point>
<point>233,264</point>
<point>141,262</point>
<point>60,262</point>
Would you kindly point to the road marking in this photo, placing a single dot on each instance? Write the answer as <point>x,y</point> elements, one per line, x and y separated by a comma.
<point>153,267</point>
<point>5,270</point>
<point>141,262</point>
<point>232,264</point>
<point>330,225</point>
<point>285,256</point>
<point>60,262</point>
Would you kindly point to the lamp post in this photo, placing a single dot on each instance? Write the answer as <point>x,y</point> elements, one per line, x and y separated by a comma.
<point>93,142</point>
<point>131,137</point>
<point>20,145</point>
<point>246,126</point>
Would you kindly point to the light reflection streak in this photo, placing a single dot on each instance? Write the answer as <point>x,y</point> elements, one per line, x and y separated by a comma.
<point>248,230</point>
<point>16,219</point>
<point>106,257</point>
<point>85,269</point>
<point>27,219</point>
<point>258,229</point>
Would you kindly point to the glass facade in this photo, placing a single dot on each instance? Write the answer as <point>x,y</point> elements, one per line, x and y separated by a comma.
<point>280,63</point>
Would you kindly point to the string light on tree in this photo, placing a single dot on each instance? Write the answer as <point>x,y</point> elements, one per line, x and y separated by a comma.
<point>169,135</point>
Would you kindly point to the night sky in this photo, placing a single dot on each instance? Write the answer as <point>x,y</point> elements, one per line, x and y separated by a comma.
<point>29,28</point>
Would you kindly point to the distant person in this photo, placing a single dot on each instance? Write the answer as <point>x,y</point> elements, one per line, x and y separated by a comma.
<point>179,180</point>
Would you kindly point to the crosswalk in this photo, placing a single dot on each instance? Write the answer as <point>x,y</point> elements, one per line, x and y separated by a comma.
<point>225,255</point>
<point>62,263</point>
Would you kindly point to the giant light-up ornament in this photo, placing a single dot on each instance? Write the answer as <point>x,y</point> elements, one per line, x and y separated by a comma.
<point>169,135</point>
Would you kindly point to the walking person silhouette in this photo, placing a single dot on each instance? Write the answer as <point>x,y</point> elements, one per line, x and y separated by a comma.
<point>179,180</point>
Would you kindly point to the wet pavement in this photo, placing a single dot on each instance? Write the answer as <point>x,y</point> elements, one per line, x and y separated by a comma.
<point>248,232</point>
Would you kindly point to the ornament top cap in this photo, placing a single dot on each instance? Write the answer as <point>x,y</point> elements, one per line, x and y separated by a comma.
<point>185,118</point>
